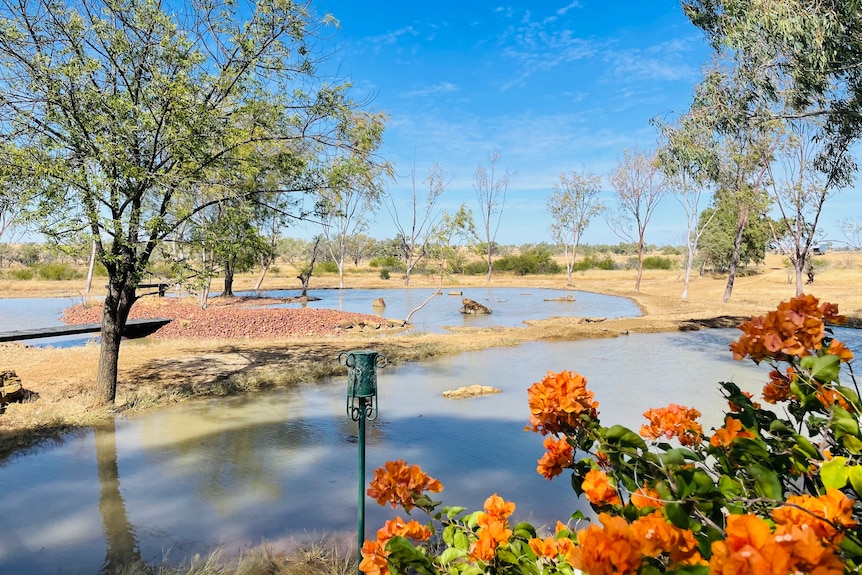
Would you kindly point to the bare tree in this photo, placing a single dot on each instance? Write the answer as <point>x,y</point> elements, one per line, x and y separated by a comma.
<point>491,190</point>
<point>639,187</point>
<point>418,229</point>
<point>573,203</point>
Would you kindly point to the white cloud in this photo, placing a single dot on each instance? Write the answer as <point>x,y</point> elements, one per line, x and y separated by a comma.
<point>439,88</point>
<point>562,11</point>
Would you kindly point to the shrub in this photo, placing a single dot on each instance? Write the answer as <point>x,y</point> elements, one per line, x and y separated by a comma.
<point>390,262</point>
<point>384,274</point>
<point>771,491</point>
<point>58,271</point>
<point>591,261</point>
<point>532,261</point>
<point>22,273</point>
<point>658,263</point>
<point>474,268</point>
<point>328,267</point>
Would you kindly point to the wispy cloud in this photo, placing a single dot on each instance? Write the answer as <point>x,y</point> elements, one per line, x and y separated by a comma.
<point>664,61</point>
<point>376,43</point>
<point>439,88</point>
<point>562,11</point>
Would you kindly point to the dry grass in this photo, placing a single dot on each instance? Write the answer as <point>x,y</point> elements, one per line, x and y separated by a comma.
<point>153,372</point>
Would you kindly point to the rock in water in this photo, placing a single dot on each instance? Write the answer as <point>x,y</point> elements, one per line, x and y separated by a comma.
<point>473,307</point>
<point>378,303</point>
<point>10,387</point>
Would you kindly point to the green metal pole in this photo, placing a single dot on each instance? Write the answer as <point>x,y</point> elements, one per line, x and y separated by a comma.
<point>361,518</point>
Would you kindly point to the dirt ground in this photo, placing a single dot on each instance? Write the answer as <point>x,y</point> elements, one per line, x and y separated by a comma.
<point>155,372</point>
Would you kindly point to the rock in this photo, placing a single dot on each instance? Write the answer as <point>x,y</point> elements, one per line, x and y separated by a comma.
<point>594,319</point>
<point>473,307</point>
<point>378,303</point>
<point>456,293</point>
<point>470,391</point>
<point>10,387</point>
<point>569,297</point>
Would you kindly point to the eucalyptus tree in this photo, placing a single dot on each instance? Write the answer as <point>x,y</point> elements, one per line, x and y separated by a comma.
<point>126,118</point>
<point>572,204</point>
<point>353,190</point>
<point>639,186</point>
<point>491,188</point>
<point>417,229</point>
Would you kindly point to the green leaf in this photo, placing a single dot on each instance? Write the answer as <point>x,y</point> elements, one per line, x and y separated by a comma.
<point>524,530</point>
<point>834,473</point>
<point>452,512</point>
<point>855,476</point>
<point>451,554</point>
<point>824,368</point>
<point>406,557</point>
<point>852,444</point>
<point>766,482</point>
<point>618,434</point>
<point>460,540</point>
<point>676,514</point>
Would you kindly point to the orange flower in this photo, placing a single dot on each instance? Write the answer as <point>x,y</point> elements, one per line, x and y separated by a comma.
<point>605,550</point>
<point>598,489</point>
<point>838,348</point>
<point>828,397</point>
<point>732,430</point>
<point>657,536</point>
<point>646,497</point>
<point>825,514</point>
<point>558,402</point>
<point>778,388</point>
<point>493,528</point>
<point>673,421</point>
<point>748,548</point>
<point>397,483</point>
<point>398,528</point>
<point>374,555</point>
<point>546,547</point>
<point>557,457</point>
<point>795,329</point>
<point>808,554</point>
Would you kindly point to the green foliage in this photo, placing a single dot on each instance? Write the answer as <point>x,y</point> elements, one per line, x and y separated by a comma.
<point>391,262</point>
<point>58,271</point>
<point>715,249</point>
<point>474,268</point>
<point>22,273</point>
<point>384,273</point>
<point>659,263</point>
<point>329,267</point>
<point>533,261</point>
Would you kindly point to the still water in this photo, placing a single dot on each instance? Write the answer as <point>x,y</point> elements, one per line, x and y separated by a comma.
<point>282,465</point>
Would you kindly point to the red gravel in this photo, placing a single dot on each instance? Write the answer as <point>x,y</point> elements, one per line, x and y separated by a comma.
<point>234,318</point>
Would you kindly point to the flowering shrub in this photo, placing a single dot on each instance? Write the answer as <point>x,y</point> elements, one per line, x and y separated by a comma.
<point>772,491</point>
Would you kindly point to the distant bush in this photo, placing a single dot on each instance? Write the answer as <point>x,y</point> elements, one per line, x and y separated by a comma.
<point>390,262</point>
<point>22,273</point>
<point>384,274</point>
<point>658,263</point>
<point>474,268</point>
<point>58,271</point>
<point>533,261</point>
<point>328,267</point>
<point>592,261</point>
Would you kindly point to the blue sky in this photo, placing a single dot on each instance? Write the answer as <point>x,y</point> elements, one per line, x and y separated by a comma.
<point>551,86</point>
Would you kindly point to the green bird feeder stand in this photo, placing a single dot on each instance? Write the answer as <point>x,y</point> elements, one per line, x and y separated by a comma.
<point>361,407</point>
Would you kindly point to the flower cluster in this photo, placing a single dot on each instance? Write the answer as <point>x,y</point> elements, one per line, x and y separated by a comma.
<point>374,552</point>
<point>598,489</point>
<point>793,330</point>
<point>673,421</point>
<point>559,402</point>
<point>558,455</point>
<point>493,528</point>
<point>398,483</point>
<point>726,435</point>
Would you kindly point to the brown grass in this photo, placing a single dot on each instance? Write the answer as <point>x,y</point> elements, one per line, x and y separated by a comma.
<point>154,372</point>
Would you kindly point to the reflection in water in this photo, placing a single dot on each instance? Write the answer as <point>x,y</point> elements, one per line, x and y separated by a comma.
<point>122,548</point>
<point>279,465</point>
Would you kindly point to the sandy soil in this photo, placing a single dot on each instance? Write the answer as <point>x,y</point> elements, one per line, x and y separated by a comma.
<point>223,358</point>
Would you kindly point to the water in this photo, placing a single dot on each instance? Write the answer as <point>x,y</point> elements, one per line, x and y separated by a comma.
<point>281,465</point>
<point>510,307</point>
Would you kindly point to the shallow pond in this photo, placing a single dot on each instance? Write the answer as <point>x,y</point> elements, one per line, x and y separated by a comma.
<point>510,307</point>
<point>283,464</point>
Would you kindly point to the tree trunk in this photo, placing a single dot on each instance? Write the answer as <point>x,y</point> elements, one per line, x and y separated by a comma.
<point>640,265</point>
<point>737,247</point>
<point>115,313</point>
<point>229,268</point>
<point>262,276</point>
<point>90,268</point>
<point>688,265</point>
<point>490,264</point>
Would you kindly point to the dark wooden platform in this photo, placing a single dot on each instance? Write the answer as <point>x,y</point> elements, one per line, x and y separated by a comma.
<point>134,328</point>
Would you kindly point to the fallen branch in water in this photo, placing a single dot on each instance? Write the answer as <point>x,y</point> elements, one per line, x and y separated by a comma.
<point>409,315</point>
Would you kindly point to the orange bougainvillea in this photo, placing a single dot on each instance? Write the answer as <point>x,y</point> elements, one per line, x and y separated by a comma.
<point>493,528</point>
<point>795,329</point>
<point>825,514</point>
<point>673,421</point>
<point>374,552</point>
<point>397,483</point>
<point>557,457</point>
<point>778,388</point>
<point>612,548</point>
<point>657,536</point>
<point>646,497</point>
<point>732,430</point>
<point>598,489</point>
<point>558,402</point>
